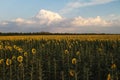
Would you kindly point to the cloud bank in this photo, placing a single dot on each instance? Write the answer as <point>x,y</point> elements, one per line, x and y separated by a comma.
<point>49,21</point>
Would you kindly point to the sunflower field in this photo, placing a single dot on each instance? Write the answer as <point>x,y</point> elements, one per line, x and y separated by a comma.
<point>56,57</point>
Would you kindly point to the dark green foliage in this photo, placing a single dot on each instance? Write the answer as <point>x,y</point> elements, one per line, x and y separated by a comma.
<point>50,62</point>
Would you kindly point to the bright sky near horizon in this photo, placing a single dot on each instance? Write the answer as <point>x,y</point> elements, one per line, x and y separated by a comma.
<point>80,16</point>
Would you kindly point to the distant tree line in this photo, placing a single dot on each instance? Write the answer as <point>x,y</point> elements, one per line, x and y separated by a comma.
<point>48,33</point>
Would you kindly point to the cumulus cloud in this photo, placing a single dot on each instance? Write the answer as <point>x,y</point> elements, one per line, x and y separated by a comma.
<point>49,21</point>
<point>78,3</point>
<point>48,17</point>
<point>19,20</point>
<point>80,21</point>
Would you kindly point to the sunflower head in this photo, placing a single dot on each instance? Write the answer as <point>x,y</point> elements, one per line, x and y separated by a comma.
<point>13,57</point>
<point>25,54</point>
<point>109,77</point>
<point>33,51</point>
<point>74,61</point>
<point>8,62</point>
<point>72,72</point>
<point>66,51</point>
<point>1,46</point>
<point>20,50</point>
<point>77,53</point>
<point>1,61</point>
<point>20,59</point>
<point>100,49</point>
<point>113,66</point>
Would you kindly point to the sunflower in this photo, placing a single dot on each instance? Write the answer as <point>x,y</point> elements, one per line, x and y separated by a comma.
<point>74,61</point>
<point>66,51</point>
<point>77,53</point>
<point>8,62</point>
<point>72,72</point>
<point>20,59</point>
<point>1,61</point>
<point>20,50</point>
<point>25,54</point>
<point>10,48</point>
<point>33,51</point>
<point>1,46</point>
<point>100,49</point>
<point>13,57</point>
<point>14,46</point>
<point>113,66</point>
<point>108,77</point>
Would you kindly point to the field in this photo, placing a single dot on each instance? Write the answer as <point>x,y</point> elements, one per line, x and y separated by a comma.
<point>60,57</point>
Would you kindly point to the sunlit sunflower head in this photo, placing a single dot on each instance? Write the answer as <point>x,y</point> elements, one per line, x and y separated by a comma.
<point>113,66</point>
<point>66,51</point>
<point>8,62</point>
<point>1,61</point>
<point>72,72</point>
<point>20,59</point>
<point>109,77</point>
<point>74,61</point>
<point>1,46</point>
<point>25,54</point>
<point>77,53</point>
<point>33,51</point>
<point>13,57</point>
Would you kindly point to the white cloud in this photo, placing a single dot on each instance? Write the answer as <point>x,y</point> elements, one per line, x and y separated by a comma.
<point>77,4</point>
<point>21,21</point>
<point>3,23</point>
<point>80,21</point>
<point>45,16</point>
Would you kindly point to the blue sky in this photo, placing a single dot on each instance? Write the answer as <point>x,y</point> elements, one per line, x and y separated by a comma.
<point>10,9</point>
<point>57,15</point>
